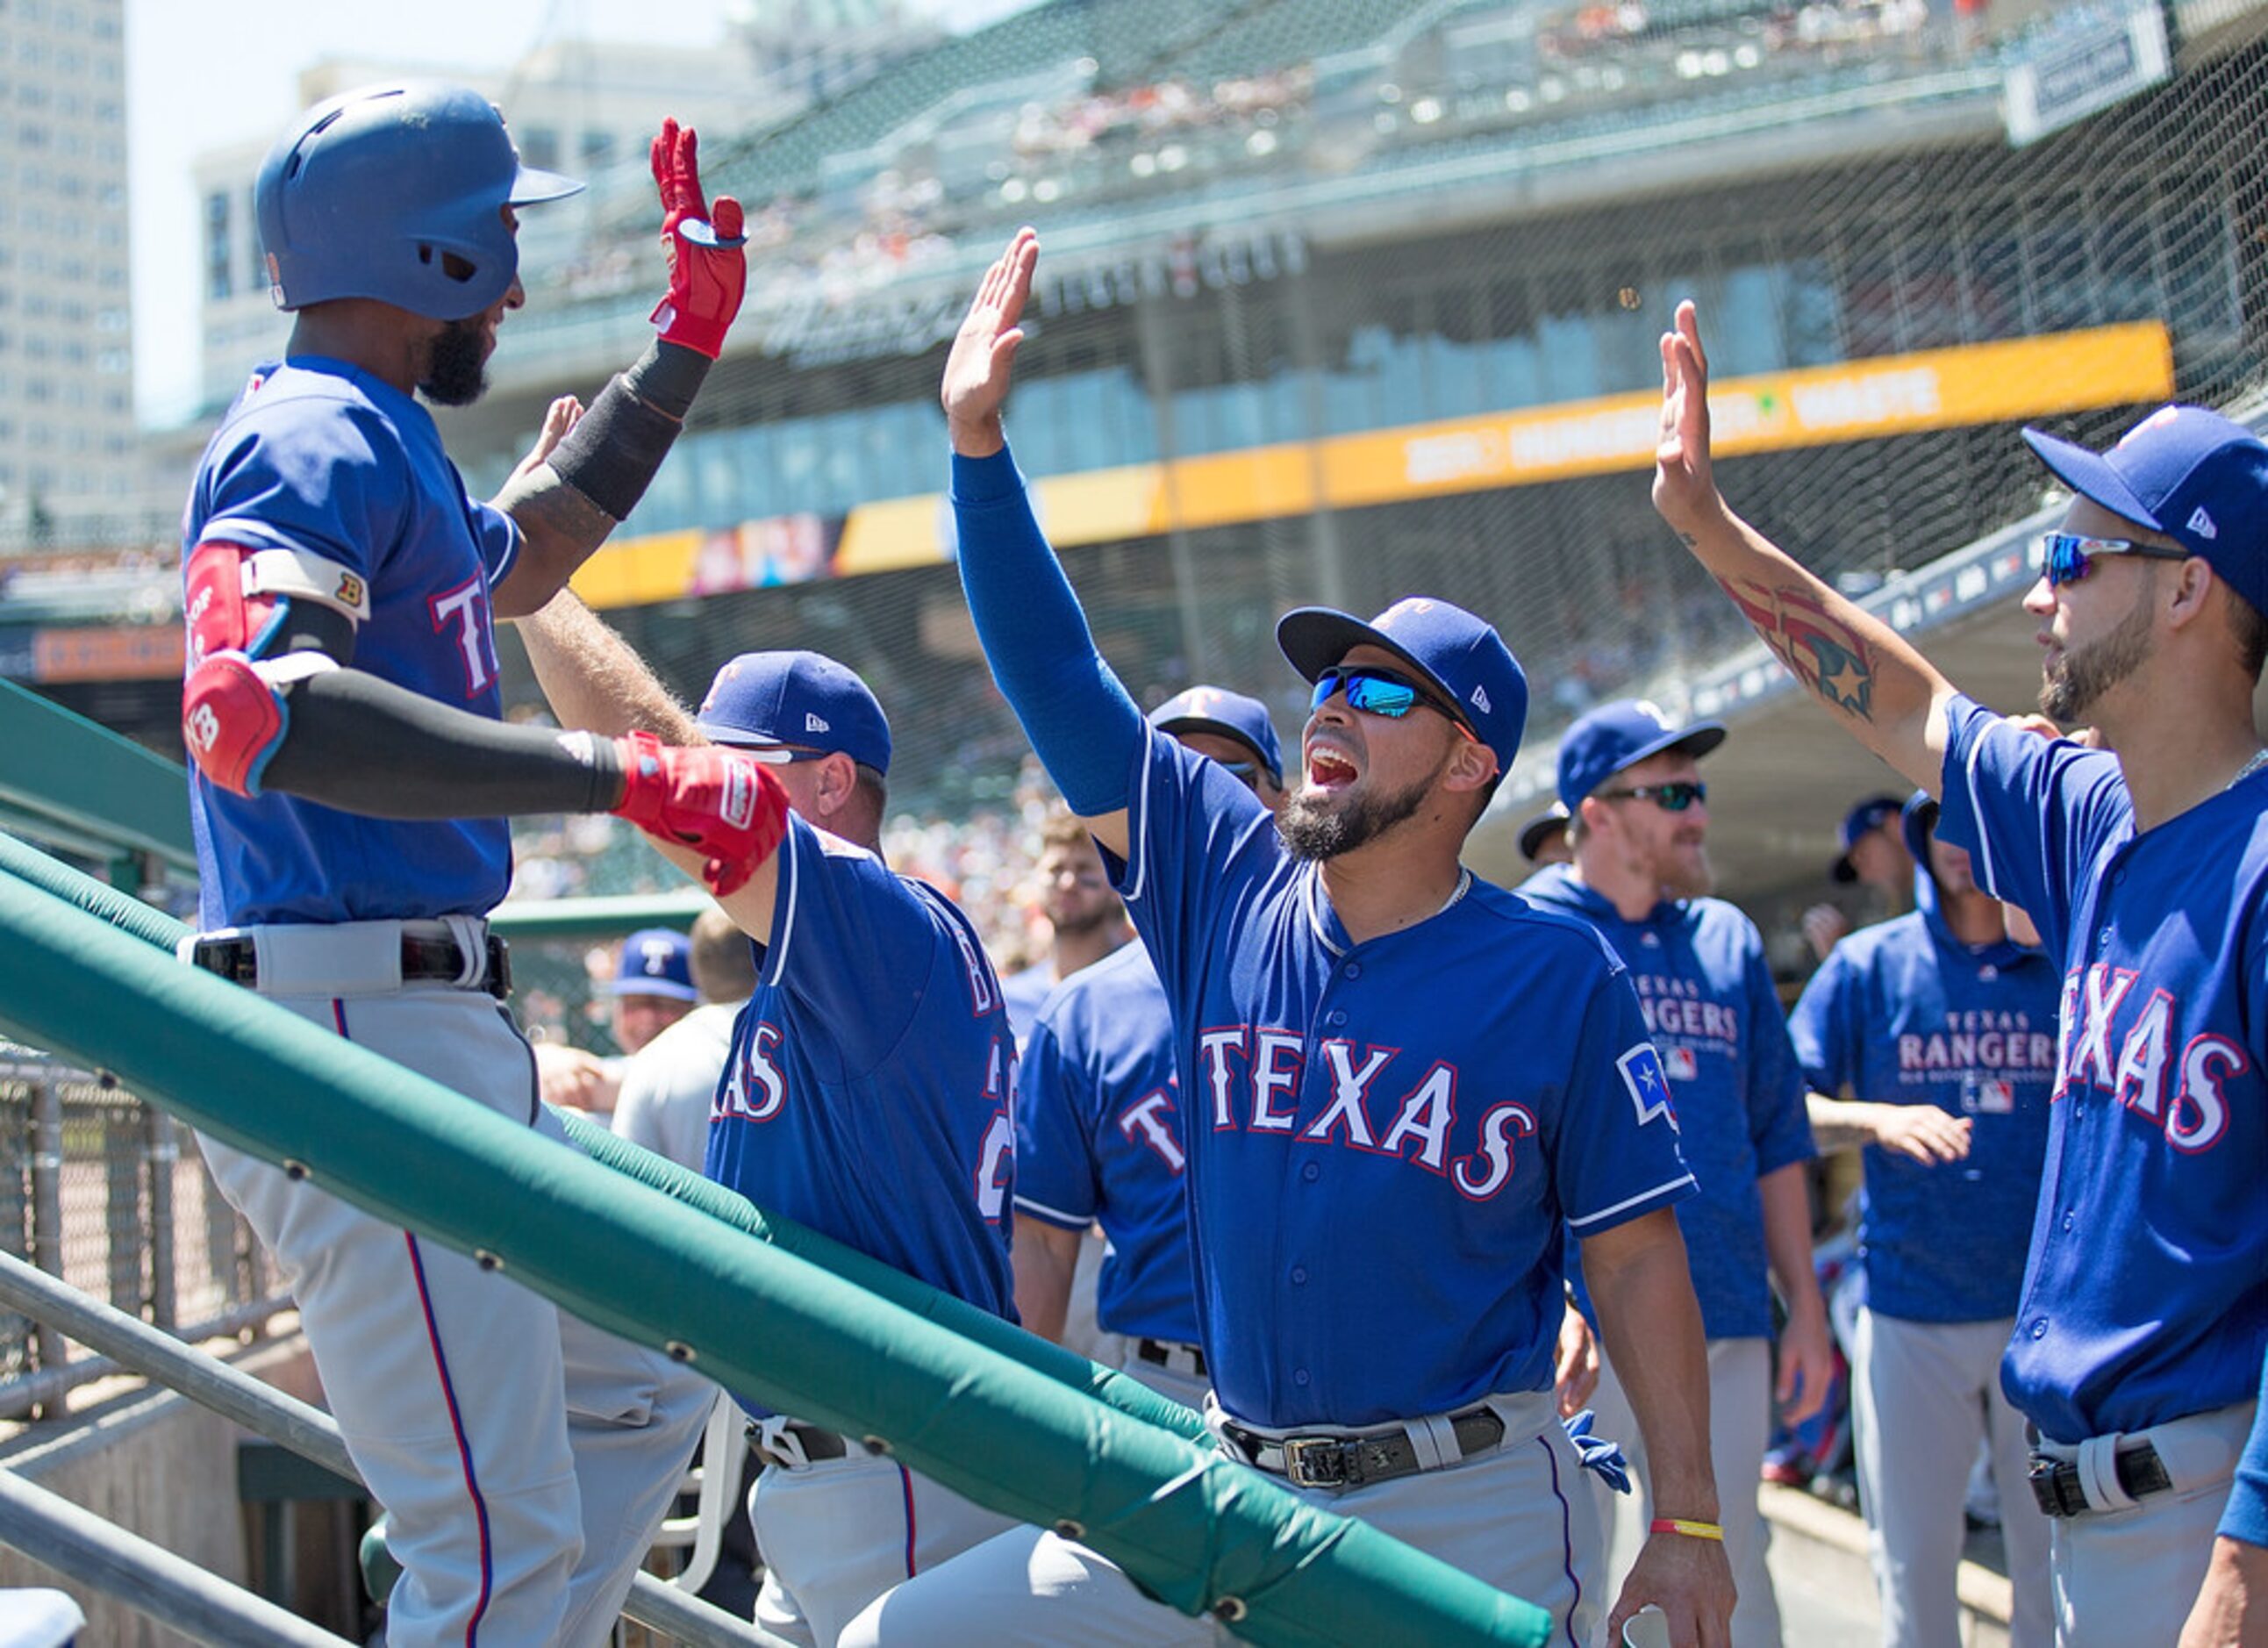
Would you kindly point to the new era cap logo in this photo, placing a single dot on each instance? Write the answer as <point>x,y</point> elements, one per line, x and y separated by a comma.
<point>1481,701</point>
<point>2201,523</point>
<point>813,723</point>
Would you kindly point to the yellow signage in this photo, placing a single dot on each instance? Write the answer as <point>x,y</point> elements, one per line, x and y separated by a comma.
<point>1861,399</point>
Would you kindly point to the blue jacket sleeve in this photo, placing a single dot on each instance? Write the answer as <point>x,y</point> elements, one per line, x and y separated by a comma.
<point>1078,716</point>
<point>2246,1517</point>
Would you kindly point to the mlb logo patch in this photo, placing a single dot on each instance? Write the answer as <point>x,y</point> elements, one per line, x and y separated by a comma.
<point>1681,1064</point>
<point>1649,1087</point>
<point>1987,1095</point>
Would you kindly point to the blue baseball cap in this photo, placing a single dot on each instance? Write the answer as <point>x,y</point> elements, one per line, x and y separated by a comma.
<point>1550,822</point>
<point>1460,656</point>
<point>1230,714</point>
<point>1620,734</point>
<point>655,961</point>
<point>1867,814</point>
<point>2194,475</point>
<point>803,701</point>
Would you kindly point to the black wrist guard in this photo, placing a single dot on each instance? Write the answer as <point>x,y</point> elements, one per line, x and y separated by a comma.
<point>612,454</point>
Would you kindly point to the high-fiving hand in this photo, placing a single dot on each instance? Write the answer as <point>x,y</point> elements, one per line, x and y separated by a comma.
<point>707,270</point>
<point>1684,484</point>
<point>978,371</point>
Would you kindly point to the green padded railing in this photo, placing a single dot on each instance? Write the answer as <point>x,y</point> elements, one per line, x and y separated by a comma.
<point>83,787</point>
<point>1193,1528</point>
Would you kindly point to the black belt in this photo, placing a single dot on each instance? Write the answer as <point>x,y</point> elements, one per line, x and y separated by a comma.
<point>1160,1353</point>
<point>2056,1484</point>
<point>424,958</point>
<point>818,1445</point>
<point>1326,1462</point>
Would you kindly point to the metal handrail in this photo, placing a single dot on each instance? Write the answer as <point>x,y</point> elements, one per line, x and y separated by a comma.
<point>147,1578</point>
<point>307,1431</point>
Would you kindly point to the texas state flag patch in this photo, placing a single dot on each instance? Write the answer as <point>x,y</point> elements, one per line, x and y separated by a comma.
<point>1649,1087</point>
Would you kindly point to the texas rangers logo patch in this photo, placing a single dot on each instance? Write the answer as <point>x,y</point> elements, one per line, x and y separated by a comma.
<point>1649,1088</point>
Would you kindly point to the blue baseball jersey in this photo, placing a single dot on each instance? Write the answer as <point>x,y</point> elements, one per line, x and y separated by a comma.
<point>322,457</point>
<point>2145,1295</point>
<point>1706,992</point>
<point>1904,1013</point>
<point>1100,1136</point>
<point>1385,1139</point>
<point>869,1088</point>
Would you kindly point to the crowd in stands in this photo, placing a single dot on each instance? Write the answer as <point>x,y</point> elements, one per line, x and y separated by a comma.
<point>1099,143</point>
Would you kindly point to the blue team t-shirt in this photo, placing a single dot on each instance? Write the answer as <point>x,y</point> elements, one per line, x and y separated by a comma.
<point>322,457</point>
<point>1903,1013</point>
<point>1099,1134</point>
<point>868,1090</point>
<point>1706,992</point>
<point>2146,1297</point>
<point>1023,993</point>
<point>1385,1140</point>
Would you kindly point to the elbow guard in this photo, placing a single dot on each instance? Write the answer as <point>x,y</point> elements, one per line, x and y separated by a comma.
<point>239,606</point>
<point>234,716</point>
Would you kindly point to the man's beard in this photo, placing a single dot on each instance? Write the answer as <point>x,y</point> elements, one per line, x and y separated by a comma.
<point>1684,878</point>
<point>1103,914</point>
<point>1312,830</point>
<point>2072,685</point>
<point>458,370</point>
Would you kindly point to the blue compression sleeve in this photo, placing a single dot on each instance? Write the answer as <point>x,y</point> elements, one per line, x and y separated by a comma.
<point>2246,1515</point>
<point>1079,718</point>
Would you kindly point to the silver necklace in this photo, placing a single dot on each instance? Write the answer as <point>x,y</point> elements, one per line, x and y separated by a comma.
<point>2259,759</point>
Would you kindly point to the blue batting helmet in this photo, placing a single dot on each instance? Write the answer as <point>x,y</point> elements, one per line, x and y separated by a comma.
<point>397,193</point>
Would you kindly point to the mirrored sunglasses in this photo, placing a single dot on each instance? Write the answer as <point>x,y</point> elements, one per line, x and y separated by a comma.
<point>2063,556</point>
<point>1372,692</point>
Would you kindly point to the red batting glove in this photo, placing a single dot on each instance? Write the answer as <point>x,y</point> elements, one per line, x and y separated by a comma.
<point>714,801</point>
<point>708,270</point>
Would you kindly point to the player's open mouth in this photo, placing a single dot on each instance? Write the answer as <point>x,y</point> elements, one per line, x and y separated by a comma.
<point>1329,770</point>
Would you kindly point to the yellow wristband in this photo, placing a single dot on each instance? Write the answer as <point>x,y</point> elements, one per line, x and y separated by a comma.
<point>1691,1530</point>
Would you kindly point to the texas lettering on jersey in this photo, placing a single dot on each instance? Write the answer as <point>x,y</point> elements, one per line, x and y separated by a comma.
<point>1381,1103</point>
<point>2120,1038</point>
<point>1151,1122</point>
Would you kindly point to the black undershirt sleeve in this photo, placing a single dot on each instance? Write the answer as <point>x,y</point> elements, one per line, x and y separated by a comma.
<point>367,746</point>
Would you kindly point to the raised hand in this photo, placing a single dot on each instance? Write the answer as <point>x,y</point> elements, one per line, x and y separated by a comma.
<point>562,415</point>
<point>1684,485</point>
<point>707,270</point>
<point>978,371</point>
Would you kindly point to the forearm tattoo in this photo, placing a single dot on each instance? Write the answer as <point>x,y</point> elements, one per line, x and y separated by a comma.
<point>1819,648</point>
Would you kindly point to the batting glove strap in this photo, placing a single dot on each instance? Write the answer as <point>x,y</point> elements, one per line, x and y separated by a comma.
<point>713,801</point>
